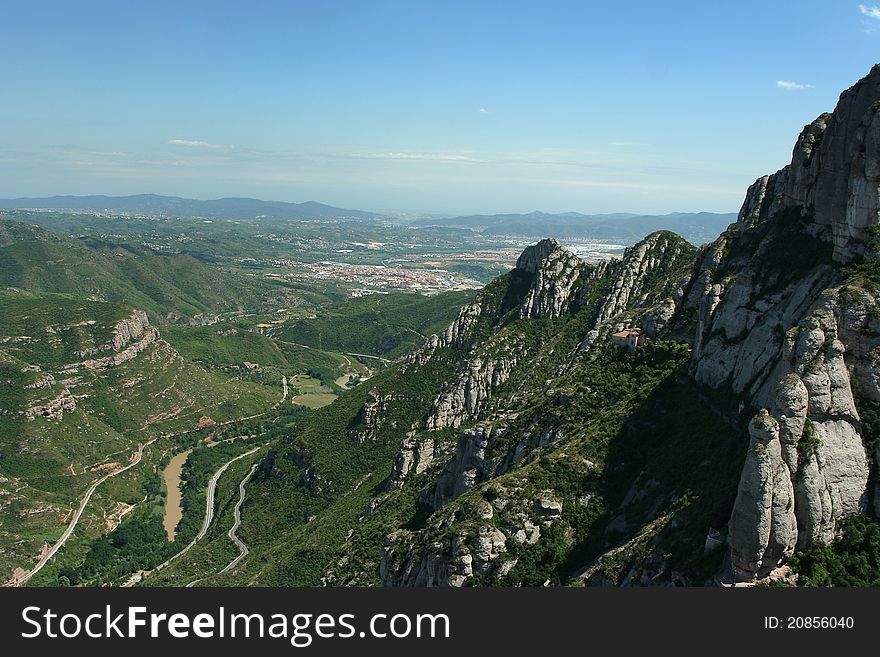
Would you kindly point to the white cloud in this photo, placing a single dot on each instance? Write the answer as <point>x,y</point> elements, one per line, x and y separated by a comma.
<point>429,157</point>
<point>870,12</point>
<point>483,110</point>
<point>789,85</point>
<point>194,143</point>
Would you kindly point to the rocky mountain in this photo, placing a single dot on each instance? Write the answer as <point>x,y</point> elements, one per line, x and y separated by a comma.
<point>731,423</point>
<point>786,306</point>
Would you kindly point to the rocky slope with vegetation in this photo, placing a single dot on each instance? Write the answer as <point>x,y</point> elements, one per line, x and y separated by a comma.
<point>524,443</point>
<point>82,385</point>
<point>522,446</point>
<point>788,324</point>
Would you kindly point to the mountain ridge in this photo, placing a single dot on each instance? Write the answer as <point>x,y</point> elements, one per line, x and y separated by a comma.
<point>679,416</point>
<point>227,207</point>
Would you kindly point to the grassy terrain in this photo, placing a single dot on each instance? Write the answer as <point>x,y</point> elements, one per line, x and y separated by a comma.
<point>380,325</point>
<point>227,346</point>
<point>166,286</point>
<point>46,463</point>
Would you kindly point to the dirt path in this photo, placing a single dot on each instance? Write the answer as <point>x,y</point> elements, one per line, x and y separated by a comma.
<point>136,458</point>
<point>284,396</point>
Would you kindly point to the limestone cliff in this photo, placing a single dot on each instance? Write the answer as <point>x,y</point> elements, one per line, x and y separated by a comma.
<point>784,325</point>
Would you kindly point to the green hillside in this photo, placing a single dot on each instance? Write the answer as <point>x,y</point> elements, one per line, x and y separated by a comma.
<point>381,325</point>
<point>63,425</point>
<point>37,260</point>
<point>326,504</point>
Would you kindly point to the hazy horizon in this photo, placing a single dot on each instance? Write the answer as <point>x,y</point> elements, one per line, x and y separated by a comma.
<point>443,110</point>
<point>390,211</point>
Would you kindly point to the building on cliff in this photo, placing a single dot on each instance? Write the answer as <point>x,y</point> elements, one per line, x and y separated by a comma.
<point>629,339</point>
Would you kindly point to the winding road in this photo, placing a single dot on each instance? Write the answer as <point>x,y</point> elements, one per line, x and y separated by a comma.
<point>136,458</point>
<point>209,512</point>
<point>235,539</point>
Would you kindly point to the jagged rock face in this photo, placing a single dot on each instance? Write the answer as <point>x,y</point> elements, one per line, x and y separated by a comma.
<point>794,343</point>
<point>634,272</point>
<point>466,468</point>
<point>124,332</point>
<point>458,334</point>
<point>555,276</point>
<point>130,329</point>
<point>449,563</point>
<point>835,171</point>
<point>763,527</point>
<point>655,320</point>
<point>834,174</point>
<point>416,455</point>
<point>741,330</point>
<point>552,290</point>
<point>631,278</point>
<point>803,377</point>
<point>148,337</point>
<point>459,547</point>
<point>533,257</point>
<point>370,417</point>
<point>465,399</point>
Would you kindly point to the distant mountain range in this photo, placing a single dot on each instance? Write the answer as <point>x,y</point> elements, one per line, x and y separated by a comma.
<point>222,208</point>
<point>697,228</point>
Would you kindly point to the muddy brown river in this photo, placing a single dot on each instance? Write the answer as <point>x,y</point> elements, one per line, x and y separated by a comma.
<point>173,509</point>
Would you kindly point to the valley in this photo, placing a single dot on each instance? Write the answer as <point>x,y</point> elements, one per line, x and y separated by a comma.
<point>350,400</point>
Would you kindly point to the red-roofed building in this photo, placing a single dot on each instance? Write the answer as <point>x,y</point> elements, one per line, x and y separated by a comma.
<point>629,339</point>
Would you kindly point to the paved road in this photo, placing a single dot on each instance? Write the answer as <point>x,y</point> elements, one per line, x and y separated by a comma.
<point>212,489</point>
<point>77,515</point>
<point>235,539</point>
<point>209,517</point>
<point>384,360</point>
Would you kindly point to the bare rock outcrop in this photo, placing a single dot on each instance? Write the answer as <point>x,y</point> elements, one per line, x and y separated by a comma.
<point>150,336</point>
<point>53,409</point>
<point>130,329</point>
<point>556,272</point>
<point>458,334</point>
<point>763,528</point>
<point>779,326</point>
<point>465,399</point>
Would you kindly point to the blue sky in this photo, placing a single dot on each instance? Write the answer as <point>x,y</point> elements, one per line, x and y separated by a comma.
<point>446,107</point>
